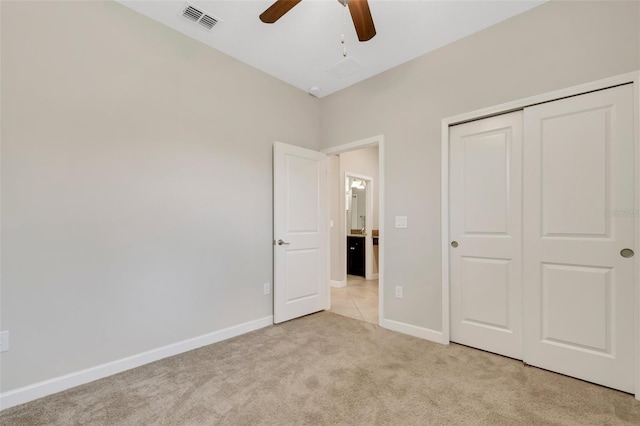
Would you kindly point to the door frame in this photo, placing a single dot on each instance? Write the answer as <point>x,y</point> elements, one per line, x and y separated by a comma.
<point>633,78</point>
<point>353,146</point>
<point>368,243</point>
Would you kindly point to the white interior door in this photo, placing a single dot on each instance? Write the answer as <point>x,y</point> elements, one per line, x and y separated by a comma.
<point>486,226</point>
<point>300,232</point>
<point>578,216</point>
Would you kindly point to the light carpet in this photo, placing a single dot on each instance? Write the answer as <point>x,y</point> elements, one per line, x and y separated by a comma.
<point>326,369</point>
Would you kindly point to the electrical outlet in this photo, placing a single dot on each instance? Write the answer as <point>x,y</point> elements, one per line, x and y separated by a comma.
<point>267,288</point>
<point>399,292</point>
<point>4,341</point>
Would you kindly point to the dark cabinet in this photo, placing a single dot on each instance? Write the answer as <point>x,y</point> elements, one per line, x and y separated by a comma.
<point>355,256</point>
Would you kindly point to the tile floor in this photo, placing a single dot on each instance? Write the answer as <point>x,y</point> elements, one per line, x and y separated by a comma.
<point>359,299</point>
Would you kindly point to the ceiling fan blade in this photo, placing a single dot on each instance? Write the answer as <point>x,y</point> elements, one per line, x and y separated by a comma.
<point>277,10</point>
<point>362,19</point>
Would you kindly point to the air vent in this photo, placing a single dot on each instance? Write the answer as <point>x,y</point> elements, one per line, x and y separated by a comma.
<point>208,21</point>
<point>192,13</point>
<point>345,68</point>
<point>203,18</point>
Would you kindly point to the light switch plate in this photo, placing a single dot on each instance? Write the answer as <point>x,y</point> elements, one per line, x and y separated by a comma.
<point>399,292</point>
<point>331,223</point>
<point>401,221</point>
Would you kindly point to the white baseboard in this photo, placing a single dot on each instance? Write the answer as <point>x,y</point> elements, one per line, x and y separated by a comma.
<point>415,331</point>
<point>374,276</point>
<point>338,284</point>
<point>47,387</point>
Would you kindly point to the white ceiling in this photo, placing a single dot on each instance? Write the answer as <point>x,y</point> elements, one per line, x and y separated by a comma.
<point>305,43</point>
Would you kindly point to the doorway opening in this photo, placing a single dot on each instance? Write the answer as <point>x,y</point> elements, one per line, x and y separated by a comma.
<point>356,235</point>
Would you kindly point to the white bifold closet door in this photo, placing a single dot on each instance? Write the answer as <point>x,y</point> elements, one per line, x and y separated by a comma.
<point>578,217</point>
<point>543,218</point>
<point>485,190</point>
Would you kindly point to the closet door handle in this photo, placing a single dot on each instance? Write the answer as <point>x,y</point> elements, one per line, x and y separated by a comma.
<point>454,244</point>
<point>626,253</point>
<point>280,243</point>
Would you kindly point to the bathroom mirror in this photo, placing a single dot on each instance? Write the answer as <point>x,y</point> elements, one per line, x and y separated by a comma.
<point>356,205</point>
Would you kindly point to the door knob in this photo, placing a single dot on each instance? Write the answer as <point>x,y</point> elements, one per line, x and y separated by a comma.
<point>454,244</point>
<point>280,243</point>
<point>626,252</point>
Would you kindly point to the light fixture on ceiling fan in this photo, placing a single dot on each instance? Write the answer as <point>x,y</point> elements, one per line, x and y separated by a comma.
<point>359,10</point>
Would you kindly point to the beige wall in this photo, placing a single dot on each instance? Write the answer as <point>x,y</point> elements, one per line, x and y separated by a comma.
<point>337,256</point>
<point>556,45</point>
<point>129,156</point>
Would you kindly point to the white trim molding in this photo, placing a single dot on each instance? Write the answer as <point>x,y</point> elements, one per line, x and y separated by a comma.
<point>338,284</point>
<point>352,146</point>
<point>636,82</point>
<point>413,330</point>
<point>633,78</point>
<point>58,384</point>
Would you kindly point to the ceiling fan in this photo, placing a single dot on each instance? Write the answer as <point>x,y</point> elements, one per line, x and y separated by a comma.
<point>359,10</point>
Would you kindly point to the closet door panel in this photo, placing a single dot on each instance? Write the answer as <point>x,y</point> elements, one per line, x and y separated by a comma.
<point>485,208</point>
<point>578,216</point>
